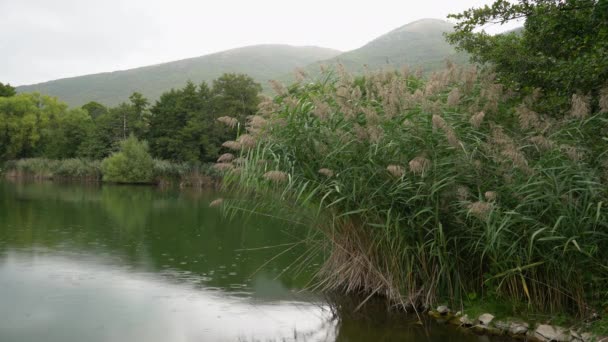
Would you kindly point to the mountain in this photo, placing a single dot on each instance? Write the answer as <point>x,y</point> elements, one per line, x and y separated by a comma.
<point>262,62</point>
<point>418,44</point>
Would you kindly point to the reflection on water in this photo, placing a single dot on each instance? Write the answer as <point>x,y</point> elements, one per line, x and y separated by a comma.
<point>61,298</point>
<point>123,263</point>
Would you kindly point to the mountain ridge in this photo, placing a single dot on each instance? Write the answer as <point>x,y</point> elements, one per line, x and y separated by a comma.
<point>419,44</point>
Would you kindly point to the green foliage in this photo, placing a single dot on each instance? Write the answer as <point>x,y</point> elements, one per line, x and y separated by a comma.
<point>26,121</point>
<point>95,109</point>
<point>66,136</point>
<point>183,124</point>
<point>447,188</point>
<point>131,164</point>
<point>6,90</point>
<point>562,48</point>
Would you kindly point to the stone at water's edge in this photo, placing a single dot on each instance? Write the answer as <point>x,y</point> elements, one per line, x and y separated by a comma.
<point>548,333</point>
<point>466,321</point>
<point>518,328</point>
<point>485,319</point>
<point>443,310</point>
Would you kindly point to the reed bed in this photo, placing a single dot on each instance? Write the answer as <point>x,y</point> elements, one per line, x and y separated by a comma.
<point>427,190</point>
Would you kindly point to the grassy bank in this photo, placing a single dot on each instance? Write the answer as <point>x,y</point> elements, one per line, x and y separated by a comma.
<point>164,173</point>
<point>440,189</point>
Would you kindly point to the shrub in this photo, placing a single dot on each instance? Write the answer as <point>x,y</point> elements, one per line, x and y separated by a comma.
<point>132,164</point>
<point>425,197</point>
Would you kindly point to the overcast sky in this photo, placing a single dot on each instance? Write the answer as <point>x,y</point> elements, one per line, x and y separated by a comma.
<point>41,40</point>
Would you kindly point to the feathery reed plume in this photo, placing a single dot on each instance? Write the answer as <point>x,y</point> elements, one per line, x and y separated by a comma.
<point>527,118</point>
<point>454,97</point>
<point>477,119</point>
<point>233,145</point>
<point>276,176</point>
<point>228,121</point>
<point>396,170</point>
<point>225,158</point>
<point>440,123</point>
<point>580,106</point>
<point>419,165</point>
<point>216,203</point>
<point>479,209</point>
<point>542,143</point>
<point>418,96</point>
<point>463,193</point>
<point>257,121</point>
<point>572,153</point>
<point>360,132</point>
<point>300,75</point>
<point>321,109</point>
<point>490,196</point>
<point>470,76</point>
<point>246,141</point>
<point>223,166</point>
<point>326,172</point>
<point>405,71</point>
<point>267,106</point>
<point>603,101</point>
<point>371,116</point>
<point>278,87</point>
<point>375,134</point>
<point>505,147</point>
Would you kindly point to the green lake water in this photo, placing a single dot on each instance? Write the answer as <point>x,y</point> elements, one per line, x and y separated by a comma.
<point>133,263</point>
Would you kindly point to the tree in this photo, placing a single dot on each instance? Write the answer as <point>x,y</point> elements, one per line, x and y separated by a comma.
<point>235,95</point>
<point>131,164</point>
<point>26,121</point>
<point>563,48</point>
<point>6,90</point>
<point>180,125</point>
<point>67,135</point>
<point>95,109</point>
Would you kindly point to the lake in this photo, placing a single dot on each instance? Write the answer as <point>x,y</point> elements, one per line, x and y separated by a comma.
<point>135,263</point>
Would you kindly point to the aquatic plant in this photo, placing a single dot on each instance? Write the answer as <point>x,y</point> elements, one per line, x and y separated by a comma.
<point>426,189</point>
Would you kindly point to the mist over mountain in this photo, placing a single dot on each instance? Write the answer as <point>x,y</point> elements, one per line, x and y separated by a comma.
<point>417,44</point>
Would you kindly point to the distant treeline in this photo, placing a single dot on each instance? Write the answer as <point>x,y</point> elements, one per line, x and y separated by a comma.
<point>180,127</point>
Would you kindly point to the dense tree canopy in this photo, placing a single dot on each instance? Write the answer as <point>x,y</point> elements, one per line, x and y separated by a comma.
<point>180,126</point>
<point>563,48</point>
<point>6,90</point>
<point>183,124</point>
